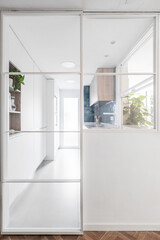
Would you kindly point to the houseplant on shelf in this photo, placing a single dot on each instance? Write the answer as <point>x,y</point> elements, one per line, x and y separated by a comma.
<point>17,79</point>
<point>135,111</point>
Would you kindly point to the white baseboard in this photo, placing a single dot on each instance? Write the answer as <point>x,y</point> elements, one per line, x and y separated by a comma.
<point>122,227</point>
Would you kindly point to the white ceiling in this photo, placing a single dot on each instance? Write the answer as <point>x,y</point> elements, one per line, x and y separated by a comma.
<point>100,32</point>
<point>116,5</point>
<point>52,40</point>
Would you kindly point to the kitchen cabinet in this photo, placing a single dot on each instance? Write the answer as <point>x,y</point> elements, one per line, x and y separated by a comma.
<point>102,87</point>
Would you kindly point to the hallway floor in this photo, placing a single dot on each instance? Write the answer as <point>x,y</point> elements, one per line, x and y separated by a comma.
<point>46,206</point>
<point>93,236</point>
<point>65,166</point>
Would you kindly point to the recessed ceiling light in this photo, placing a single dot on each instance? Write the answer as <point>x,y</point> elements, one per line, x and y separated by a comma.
<point>106,55</point>
<point>113,42</point>
<point>68,64</point>
<point>70,81</point>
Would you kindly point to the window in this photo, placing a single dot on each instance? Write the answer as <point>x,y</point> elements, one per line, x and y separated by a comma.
<point>137,91</point>
<point>119,75</point>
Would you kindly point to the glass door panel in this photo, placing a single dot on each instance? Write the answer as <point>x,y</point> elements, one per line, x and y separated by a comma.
<point>41,207</point>
<point>41,155</point>
<point>41,103</point>
<point>47,39</point>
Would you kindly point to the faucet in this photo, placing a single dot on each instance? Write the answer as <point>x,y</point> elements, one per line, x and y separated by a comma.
<point>98,119</point>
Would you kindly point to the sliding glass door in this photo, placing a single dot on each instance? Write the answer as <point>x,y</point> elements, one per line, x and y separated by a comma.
<point>41,179</point>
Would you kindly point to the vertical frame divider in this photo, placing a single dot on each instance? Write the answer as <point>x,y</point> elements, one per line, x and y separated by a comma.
<point>3,115</point>
<point>156,76</point>
<point>1,100</point>
<point>118,99</point>
<point>81,118</point>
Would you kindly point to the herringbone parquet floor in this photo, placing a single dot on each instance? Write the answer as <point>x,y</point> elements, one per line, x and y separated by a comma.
<point>93,236</point>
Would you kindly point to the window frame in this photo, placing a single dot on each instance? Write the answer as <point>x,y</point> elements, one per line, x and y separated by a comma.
<point>155,73</point>
<point>109,15</point>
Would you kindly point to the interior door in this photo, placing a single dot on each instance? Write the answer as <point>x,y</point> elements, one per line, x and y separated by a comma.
<point>41,190</point>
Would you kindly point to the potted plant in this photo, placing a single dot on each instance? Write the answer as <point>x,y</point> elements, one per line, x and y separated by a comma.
<point>135,112</point>
<point>17,79</point>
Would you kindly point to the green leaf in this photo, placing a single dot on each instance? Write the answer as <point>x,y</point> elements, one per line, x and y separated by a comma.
<point>136,111</point>
<point>17,79</point>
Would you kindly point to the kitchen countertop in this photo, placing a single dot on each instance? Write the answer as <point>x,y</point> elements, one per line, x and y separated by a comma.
<point>89,125</point>
<point>107,126</point>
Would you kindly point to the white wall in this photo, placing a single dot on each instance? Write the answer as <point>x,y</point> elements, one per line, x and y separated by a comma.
<point>121,181</point>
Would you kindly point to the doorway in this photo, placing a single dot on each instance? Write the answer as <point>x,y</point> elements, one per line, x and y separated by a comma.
<point>69,118</point>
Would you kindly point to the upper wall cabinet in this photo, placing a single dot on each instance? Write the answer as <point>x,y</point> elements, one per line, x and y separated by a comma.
<point>102,87</point>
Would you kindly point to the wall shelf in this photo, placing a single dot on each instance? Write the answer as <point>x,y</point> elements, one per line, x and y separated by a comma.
<point>17,112</point>
<point>15,116</point>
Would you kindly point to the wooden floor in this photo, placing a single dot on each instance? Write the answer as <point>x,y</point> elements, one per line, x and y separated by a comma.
<point>93,236</point>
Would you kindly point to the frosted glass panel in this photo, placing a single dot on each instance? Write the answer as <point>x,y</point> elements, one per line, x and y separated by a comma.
<point>41,206</point>
<point>42,156</point>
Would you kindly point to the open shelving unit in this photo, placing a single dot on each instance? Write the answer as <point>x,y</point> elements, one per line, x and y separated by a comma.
<point>15,116</point>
